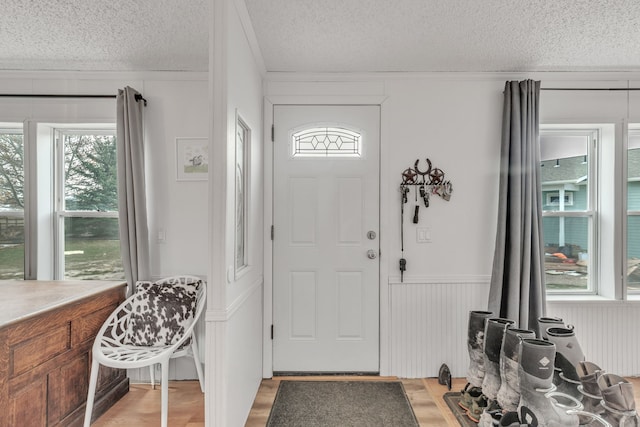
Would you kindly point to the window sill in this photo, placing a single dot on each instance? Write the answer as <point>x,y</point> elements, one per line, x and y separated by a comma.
<point>596,299</point>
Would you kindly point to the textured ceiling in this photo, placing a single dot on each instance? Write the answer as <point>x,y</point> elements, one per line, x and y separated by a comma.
<point>447,35</point>
<point>328,35</point>
<point>104,35</point>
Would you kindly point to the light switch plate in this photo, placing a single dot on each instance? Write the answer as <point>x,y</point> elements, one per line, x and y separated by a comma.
<point>423,234</point>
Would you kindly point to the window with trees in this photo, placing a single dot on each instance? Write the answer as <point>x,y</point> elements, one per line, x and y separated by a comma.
<point>86,229</point>
<point>60,182</point>
<point>12,254</point>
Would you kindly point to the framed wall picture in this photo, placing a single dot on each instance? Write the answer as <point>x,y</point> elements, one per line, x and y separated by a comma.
<point>192,159</point>
<point>242,148</point>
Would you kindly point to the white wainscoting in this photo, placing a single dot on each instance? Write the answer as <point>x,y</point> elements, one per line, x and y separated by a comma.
<point>428,323</point>
<point>428,326</point>
<point>608,332</point>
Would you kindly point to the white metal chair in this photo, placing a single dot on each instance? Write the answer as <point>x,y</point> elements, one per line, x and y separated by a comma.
<point>112,346</point>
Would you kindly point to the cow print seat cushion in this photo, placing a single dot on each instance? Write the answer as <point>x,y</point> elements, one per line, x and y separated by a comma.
<point>160,313</point>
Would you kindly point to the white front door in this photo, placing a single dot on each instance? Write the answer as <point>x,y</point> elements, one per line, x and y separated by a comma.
<point>326,244</point>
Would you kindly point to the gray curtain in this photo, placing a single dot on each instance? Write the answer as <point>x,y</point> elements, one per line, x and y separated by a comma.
<point>517,280</point>
<point>132,205</point>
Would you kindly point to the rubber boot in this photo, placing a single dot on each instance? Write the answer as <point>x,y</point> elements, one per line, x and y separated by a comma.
<point>509,392</point>
<point>494,334</point>
<point>548,322</point>
<point>568,355</point>
<point>536,381</point>
<point>475,345</point>
<point>589,373</point>
<point>515,419</point>
<point>618,401</point>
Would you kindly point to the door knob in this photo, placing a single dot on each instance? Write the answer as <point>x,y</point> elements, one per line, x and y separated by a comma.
<point>371,254</point>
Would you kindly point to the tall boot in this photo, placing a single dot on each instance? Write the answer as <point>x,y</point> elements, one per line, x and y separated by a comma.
<point>536,380</point>
<point>475,345</point>
<point>618,401</point>
<point>589,373</point>
<point>568,355</point>
<point>548,322</point>
<point>494,334</point>
<point>509,392</point>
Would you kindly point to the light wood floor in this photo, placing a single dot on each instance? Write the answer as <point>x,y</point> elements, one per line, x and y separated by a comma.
<point>141,406</point>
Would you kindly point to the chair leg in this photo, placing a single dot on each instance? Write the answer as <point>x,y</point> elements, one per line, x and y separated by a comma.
<point>196,359</point>
<point>93,381</point>
<point>165,393</point>
<point>152,376</point>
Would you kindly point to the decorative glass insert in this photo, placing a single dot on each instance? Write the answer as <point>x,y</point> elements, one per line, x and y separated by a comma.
<point>327,142</point>
<point>243,144</point>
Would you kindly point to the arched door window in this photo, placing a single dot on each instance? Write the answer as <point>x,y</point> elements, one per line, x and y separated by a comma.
<point>326,142</point>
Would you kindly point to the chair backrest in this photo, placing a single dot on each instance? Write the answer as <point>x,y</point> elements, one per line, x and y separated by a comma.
<point>164,313</point>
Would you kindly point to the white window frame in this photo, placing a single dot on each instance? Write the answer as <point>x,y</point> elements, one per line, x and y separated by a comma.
<point>591,212</point>
<point>60,212</point>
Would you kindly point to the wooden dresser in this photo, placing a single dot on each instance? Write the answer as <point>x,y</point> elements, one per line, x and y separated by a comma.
<point>47,329</point>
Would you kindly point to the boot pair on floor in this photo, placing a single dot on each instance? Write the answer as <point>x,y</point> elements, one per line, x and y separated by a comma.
<point>607,395</point>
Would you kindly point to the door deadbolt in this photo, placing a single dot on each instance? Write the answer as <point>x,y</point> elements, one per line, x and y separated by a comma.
<point>371,254</point>
<point>371,235</point>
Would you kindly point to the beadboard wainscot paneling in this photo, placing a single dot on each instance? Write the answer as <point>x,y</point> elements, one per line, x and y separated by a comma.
<point>608,331</point>
<point>428,323</point>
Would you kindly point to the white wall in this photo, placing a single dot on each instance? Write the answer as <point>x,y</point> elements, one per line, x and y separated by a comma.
<point>234,332</point>
<point>244,293</point>
<point>177,107</point>
<point>455,120</point>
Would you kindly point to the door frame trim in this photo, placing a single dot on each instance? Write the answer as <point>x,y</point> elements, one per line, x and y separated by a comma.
<point>268,110</point>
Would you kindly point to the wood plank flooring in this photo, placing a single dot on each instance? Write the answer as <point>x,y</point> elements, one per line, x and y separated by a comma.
<point>141,406</point>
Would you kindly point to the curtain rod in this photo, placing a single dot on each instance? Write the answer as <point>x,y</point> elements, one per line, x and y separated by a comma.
<point>138,97</point>
<point>592,88</point>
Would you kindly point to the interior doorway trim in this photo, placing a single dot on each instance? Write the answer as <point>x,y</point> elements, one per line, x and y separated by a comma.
<point>268,109</point>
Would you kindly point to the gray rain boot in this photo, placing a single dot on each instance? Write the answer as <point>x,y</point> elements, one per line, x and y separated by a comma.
<point>548,322</point>
<point>618,401</point>
<point>509,392</point>
<point>568,355</point>
<point>591,397</point>
<point>494,334</point>
<point>536,384</point>
<point>475,345</point>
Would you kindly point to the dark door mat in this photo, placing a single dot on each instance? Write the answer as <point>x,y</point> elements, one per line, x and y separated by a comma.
<point>452,398</point>
<point>341,403</point>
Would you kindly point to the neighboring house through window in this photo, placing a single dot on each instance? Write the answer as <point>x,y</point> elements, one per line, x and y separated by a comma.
<point>590,178</point>
<point>568,216</point>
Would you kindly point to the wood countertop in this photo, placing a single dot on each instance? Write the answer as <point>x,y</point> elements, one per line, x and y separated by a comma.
<point>25,298</point>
